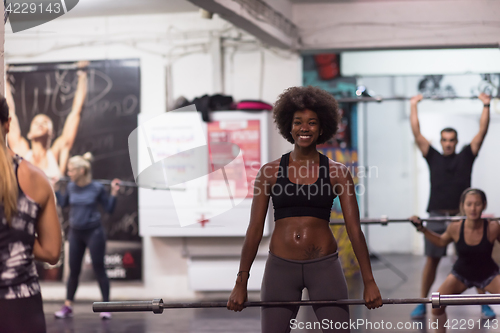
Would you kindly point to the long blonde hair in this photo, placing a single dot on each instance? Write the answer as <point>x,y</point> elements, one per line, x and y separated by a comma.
<point>84,162</point>
<point>8,182</point>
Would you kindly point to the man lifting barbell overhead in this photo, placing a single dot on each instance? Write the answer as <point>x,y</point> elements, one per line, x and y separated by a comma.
<point>450,175</point>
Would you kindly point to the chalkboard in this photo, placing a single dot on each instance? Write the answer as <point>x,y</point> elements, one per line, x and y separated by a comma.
<point>109,115</point>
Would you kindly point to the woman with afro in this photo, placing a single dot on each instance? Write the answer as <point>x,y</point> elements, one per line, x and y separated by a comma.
<point>303,251</point>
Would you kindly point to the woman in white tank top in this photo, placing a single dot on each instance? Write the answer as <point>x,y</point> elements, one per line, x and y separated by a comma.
<point>51,157</point>
<point>51,169</point>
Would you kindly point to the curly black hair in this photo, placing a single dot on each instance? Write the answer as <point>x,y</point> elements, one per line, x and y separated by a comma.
<point>311,98</point>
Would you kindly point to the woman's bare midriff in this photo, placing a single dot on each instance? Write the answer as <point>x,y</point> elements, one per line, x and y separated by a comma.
<point>302,238</point>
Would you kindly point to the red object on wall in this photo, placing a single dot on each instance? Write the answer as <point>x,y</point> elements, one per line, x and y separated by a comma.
<point>327,65</point>
<point>203,220</point>
<point>128,260</point>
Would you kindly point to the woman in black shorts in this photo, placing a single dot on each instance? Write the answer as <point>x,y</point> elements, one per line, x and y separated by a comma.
<point>474,238</point>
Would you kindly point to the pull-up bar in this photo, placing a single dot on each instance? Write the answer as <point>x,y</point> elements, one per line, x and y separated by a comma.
<point>397,98</point>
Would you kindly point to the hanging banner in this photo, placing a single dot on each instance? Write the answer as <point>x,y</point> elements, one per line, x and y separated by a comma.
<point>74,108</point>
<point>245,134</point>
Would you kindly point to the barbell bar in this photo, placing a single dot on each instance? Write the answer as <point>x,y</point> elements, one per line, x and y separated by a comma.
<point>157,306</point>
<point>46,67</point>
<point>385,220</point>
<point>125,183</point>
<point>398,98</point>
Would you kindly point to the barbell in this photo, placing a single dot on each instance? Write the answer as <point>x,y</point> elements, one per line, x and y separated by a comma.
<point>157,305</point>
<point>125,183</point>
<point>397,98</point>
<point>385,220</point>
<point>46,67</point>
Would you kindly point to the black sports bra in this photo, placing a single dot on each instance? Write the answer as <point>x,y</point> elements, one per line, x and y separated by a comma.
<point>290,199</point>
<point>474,261</point>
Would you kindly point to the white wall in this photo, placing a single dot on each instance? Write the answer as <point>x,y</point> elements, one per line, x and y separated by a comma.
<point>181,41</point>
<point>420,62</point>
<point>388,156</point>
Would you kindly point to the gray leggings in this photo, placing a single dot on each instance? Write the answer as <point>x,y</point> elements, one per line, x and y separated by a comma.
<point>285,279</point>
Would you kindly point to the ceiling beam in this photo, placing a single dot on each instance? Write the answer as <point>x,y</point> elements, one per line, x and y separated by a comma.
<point>402,24</point>
<point>257,18</point>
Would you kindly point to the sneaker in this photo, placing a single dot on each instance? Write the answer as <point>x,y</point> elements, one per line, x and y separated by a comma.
<point>487,312</point>
<point>65,312</point>
<point>419,312</point>
<point>105,315</point>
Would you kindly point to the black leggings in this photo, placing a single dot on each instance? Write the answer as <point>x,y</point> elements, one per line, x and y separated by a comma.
<point>95,240</point>
<point>22,315</point>
<point>285,279</point>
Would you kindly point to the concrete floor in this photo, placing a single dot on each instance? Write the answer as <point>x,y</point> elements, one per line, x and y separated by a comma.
<point>222,321</point>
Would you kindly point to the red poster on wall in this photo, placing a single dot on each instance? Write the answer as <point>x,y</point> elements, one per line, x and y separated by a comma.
<point>222,138</point>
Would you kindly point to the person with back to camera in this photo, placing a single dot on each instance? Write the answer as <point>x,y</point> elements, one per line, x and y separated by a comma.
<point>473,238</point>
<point>86,230</point>
<point>29,230</point>
<point>42,150</point>
<point>450,175</point>
<point>303,252</point>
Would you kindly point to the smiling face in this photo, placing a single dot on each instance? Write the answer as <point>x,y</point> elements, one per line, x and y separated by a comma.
<point>41,126</point>
<point>473,205</point>
<point>305,128</point>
